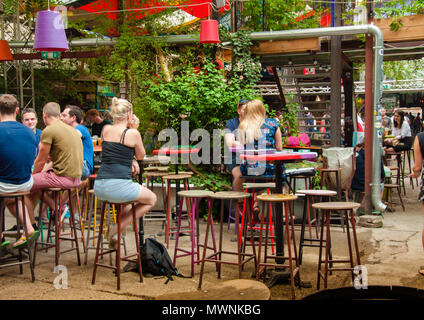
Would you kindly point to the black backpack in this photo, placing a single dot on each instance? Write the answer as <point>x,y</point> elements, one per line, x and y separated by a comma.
<point>156,261</point>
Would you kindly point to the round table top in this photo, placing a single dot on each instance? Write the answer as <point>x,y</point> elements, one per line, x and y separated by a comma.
<point>230,195</point>
<point>279,156</point>
<point>336,205</point>
<point>195,193</point>
<point>276,197</point>
<point>324,193</point>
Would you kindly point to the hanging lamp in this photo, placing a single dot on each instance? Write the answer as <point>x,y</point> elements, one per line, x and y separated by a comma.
<point>50,32</point>
<point>209,30</point>
<point>5,54</point>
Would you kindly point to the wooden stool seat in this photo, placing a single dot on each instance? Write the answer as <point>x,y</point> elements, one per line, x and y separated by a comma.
<point>156,169</point>
<point>156,160</point>
<point>318,193</point>
<point>195,193</point>
<point>257,185</point>
<point>346,208</point>
<point>181,172</point>
<point>177,176</point>
<point>336,205</point>
<point>276,197</point>
<point>155,174</point>
<point>233,195</point>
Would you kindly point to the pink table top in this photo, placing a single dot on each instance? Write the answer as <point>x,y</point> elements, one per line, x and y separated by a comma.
<point>279,156</point>
<point>169,151</point>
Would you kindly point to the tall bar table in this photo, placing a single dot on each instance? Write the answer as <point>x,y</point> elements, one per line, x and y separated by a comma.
<point>279,158</point>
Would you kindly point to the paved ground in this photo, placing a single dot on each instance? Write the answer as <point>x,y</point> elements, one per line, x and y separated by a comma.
<point>391,254</point>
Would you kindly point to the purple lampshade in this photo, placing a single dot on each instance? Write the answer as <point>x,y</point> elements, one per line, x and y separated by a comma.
<point>50,32</point>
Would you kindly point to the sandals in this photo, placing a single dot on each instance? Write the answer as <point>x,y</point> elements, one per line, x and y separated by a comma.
<point>23,240</point>
<point>4,242</point>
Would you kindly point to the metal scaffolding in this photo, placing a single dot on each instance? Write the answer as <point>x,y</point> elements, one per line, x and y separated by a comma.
<point>18,75</point>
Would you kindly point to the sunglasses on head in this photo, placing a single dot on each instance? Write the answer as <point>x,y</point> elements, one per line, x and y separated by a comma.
<point>244,100</point>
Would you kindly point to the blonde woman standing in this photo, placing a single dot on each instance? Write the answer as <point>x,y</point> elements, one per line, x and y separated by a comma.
<point>122,146</point>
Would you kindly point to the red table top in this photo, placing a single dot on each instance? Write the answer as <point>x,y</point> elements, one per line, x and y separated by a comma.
<point>169,151</point>
<point>279,156</point>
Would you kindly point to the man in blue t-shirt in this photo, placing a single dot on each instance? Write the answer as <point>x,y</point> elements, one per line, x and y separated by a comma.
<point>17,154</point>
<point>72,115</point>
<point>233,164</point>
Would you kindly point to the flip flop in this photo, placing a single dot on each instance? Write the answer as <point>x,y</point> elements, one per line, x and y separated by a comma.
<point>23,240</point>
<point>421,270</point>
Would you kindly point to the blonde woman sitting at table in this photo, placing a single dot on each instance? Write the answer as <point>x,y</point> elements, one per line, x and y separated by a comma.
<point>122,146</point>
<point>258,132</point>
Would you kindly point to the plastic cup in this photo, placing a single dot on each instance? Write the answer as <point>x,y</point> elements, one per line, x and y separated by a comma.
<point>99,142</point>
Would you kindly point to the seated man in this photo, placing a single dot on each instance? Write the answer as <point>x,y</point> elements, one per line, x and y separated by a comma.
<point>97,123</point>
<point>17,153</point>
<point>72,115</point>
<point>63,144</point>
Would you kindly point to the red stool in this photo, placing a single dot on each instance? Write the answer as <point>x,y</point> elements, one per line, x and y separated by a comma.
<point>346,209</point>
<point>216,257</point>
<point>194,196</point>
<point>293,263</point>
<point>57,225</point>
<point>118,260</point>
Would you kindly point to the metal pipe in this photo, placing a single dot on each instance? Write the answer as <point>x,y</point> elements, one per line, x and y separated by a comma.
<point>294,34</point>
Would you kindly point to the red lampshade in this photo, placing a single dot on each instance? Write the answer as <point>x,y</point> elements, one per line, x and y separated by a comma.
<point>209,31</point>
<point>5,54</point>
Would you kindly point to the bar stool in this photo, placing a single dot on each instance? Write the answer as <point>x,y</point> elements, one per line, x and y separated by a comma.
<point>309,199</point>
<point>288,220</point>
<point>194,196</point>
<point>347,210</point>
<point>118,259</point>
<point>325,172</point>
<point>55,219</point>
<point>185,178</point>
<point>150,177</point>
<point>93,213</point>
<point>388,194</point>
<point>216,257</point>
<point>18,196</point>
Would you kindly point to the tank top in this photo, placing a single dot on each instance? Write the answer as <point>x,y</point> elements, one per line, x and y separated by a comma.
<point>116,160</point>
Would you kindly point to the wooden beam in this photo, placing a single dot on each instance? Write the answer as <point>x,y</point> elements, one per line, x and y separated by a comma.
<point>412,28</point>
<point>286,46</point>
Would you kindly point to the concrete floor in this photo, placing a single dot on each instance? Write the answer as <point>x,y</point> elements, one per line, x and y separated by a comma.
<point>391,255</point>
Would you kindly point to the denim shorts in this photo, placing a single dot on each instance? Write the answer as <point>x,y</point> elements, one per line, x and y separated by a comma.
<point>116,190</point>
<point>85,171</point>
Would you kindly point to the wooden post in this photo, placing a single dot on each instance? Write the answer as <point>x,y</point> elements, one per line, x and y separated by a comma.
<point>348,110</point>
<point>336,74</point>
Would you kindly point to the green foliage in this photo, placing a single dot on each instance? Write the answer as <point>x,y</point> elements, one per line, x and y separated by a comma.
<point>289,123</point>
<point>212,181</point>
<point>279,15</point>
<point>396,9</point>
